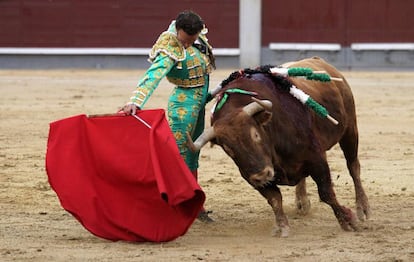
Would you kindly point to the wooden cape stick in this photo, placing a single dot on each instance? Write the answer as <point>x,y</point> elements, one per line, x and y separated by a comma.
<point>118,114</point>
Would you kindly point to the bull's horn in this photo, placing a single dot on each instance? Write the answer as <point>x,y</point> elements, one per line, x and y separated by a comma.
<point>266,104</point>
<point>257,106</point>
<point>206,136</point>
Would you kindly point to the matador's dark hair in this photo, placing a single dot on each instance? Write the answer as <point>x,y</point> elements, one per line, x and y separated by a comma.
<point>190,22</point>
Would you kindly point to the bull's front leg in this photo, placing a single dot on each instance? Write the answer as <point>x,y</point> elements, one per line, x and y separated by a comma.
<point>274,198</point>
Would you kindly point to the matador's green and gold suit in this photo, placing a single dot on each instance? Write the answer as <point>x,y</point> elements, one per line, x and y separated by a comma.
<point>188,69</point>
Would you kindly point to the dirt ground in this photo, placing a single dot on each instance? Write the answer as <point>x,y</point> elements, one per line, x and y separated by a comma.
<point>33,226</point>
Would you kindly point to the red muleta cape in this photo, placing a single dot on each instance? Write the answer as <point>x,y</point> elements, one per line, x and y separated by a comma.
<point>121,179</point>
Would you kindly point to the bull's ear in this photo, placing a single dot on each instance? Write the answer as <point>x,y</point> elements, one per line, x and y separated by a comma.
<point>263,117</point>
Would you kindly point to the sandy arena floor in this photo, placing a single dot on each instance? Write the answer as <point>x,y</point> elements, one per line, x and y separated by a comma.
<point>33,226</point>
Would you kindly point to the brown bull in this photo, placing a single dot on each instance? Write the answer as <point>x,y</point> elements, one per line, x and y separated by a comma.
<point>276,140</point>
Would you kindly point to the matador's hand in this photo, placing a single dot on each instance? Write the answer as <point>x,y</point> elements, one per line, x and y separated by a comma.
<point>130,109</point>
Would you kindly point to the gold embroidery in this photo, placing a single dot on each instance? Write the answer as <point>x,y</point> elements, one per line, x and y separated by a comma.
<point>197,61</point>
<point>199,71</point>
<point>197,93</point>
<point>186,82</point>
<point>181,112</point>
<point>181,97</point>
<point>168,43</point>
<point>190,125</point>
<point>178,135</point>
<point>141,90</point>
<point>191,73</point>
<point>190,51</point>
<point>194,112</point>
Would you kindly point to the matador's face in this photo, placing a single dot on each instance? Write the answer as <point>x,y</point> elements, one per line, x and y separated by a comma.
<point>186,39</point>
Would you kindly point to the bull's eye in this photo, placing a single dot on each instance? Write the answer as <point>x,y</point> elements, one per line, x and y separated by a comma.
<point>255,135</point>
<point>228,151</point>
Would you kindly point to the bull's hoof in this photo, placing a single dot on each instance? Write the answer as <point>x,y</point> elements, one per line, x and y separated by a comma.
<point>349,221</point>
<point>363,214</point>
<point>280,231</point>
<point>363,210</point>
<point>303,206</point>
<point>284,232</point>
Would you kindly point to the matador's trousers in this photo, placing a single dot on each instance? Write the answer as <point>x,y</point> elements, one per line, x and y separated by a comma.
<point>186,113</point>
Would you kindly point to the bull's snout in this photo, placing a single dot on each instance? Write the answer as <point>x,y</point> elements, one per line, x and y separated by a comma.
<point>262,178</point>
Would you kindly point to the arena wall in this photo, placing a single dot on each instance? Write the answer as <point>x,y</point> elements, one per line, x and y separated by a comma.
<point>350,34</point>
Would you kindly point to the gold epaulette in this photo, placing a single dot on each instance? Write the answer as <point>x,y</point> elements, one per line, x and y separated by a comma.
<point>168,44</point>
